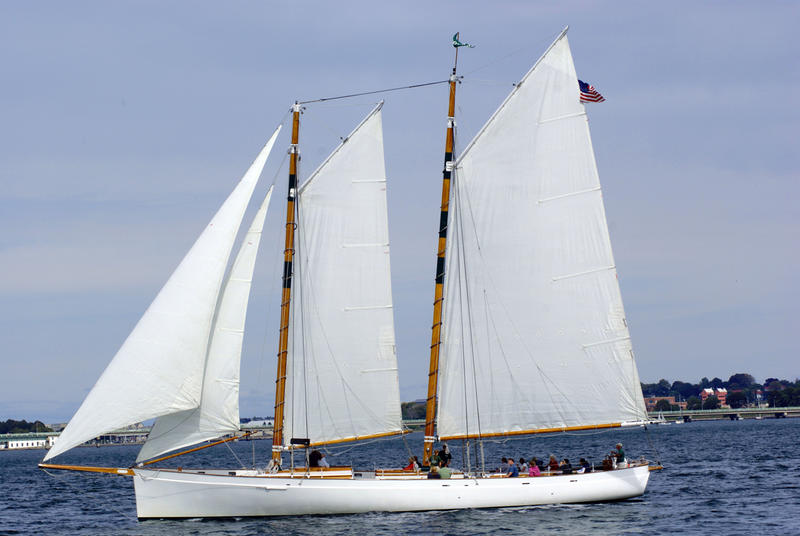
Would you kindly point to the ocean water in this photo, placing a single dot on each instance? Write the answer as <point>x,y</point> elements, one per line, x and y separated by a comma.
<point>719,477</point>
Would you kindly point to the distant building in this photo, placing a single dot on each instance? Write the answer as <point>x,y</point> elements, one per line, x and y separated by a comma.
<point>721,394</point>
<point>27,441</point>
<point>651,401</point>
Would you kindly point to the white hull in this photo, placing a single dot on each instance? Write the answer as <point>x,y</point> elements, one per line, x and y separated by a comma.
<point>172,494</point>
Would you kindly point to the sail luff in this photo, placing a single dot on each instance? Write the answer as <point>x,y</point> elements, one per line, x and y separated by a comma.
<point>218,412</point>
<point>158,370</point>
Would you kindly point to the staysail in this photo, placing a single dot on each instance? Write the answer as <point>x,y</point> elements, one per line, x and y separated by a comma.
<point>535,337</point>
<point>159,368</point>
<point>218,413</point>
<point>342,370</point>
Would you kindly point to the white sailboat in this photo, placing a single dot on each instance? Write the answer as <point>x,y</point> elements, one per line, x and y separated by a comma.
<point>530,338</point>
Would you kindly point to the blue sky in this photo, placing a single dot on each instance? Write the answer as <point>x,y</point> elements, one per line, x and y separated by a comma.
<point>126,124</point>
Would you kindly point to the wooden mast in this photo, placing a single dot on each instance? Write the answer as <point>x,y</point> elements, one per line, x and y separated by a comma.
<point>433,371</point>
<point>288,257</point>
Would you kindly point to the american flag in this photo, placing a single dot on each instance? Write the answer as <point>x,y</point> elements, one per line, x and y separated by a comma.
<point>589,93</point>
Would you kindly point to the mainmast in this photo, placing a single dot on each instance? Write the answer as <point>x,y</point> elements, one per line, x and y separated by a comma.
<point>436,328</point>
<point>288,257</point>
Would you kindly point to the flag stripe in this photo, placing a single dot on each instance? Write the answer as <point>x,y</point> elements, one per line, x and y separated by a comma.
<point>589,93</point>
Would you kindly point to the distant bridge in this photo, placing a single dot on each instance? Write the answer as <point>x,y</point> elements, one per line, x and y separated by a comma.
<point>727,413</point>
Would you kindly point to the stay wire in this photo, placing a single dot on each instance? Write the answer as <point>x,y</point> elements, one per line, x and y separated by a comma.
<point>652,445</point>
<point>387,90</point>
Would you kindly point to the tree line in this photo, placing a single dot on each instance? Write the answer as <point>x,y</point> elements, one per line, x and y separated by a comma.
<point>21,427</point>
<point>742,390</point>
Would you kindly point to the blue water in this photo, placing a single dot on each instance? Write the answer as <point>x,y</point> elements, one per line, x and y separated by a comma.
<point>720,477</point>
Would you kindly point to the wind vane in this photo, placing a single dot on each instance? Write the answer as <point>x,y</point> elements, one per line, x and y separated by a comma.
<point>457,43</point>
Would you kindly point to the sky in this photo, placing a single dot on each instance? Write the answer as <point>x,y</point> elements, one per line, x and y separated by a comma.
<point>126,124</point>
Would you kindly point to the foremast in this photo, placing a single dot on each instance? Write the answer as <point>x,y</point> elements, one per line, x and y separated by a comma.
<point>288,258</point>
<point>436,327</point>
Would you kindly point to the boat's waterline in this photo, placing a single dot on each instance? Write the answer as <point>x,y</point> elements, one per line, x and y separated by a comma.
<point>172,494</point>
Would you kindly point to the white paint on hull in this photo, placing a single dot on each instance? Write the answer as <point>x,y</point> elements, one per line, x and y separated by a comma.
<point>172,494</point>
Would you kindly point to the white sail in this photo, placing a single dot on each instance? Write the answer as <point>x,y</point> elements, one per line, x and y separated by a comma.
<point>535,336</point>
<point>218,413</point>
<point>342,369</point>
<point>159,368</point>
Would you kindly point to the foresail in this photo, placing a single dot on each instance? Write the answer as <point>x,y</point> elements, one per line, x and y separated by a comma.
<point>218,413</point>
<point>533,316</point>
<point>342,369</point>
<point>159,368</point>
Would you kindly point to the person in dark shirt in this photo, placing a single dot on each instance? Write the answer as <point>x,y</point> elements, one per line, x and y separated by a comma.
<point>565,466</point>
<point>586,467</point>
<point>444,454</point>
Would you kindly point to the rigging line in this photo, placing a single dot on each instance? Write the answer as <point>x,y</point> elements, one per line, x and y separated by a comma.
<point>344,450</point>
<point>346,387</point>
<point>301,269</point>
<point>275,240</point>
<point>509,318</point>
<point>413,86</point>
<point>308,288</point>
<point>408,449</point>
<point>490,318</point>
<point>471,322</point>
<point>235,456</point>
<point>530,45</point>
<point>652,445</point>
<point>459,268</point>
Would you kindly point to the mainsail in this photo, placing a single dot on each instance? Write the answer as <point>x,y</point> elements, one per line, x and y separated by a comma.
<point>535,337</point>
<point>218,413</point>
<point>342,370</point>
<point>160,367</point>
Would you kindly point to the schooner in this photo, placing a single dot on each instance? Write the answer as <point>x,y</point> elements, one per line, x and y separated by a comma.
<point>529,332</point>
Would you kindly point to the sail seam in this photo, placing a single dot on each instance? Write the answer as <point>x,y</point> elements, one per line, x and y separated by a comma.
<point>570,194</point>
<point>367,245</point>
<point>365,307</point>
<point>577,274</point>
<point>361,181</point>
<point>607,341</point>
<point>559,118</point>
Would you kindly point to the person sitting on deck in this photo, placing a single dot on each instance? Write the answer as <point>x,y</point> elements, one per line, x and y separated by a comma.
<point>512,468</point>
<point>322,461</point>
<point>313,458</point>
<point>608,464</point>
<point>413,465</point>
<point>619,455</point>
<point>523,467</point>
<point>503,465</point>
<point>434,472</point>
<point>553,465</point>
<point>533,469</point>
<point>444,454</point>
<point>586,467</point>
<point>565,466</point>
<point>444,470</point>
